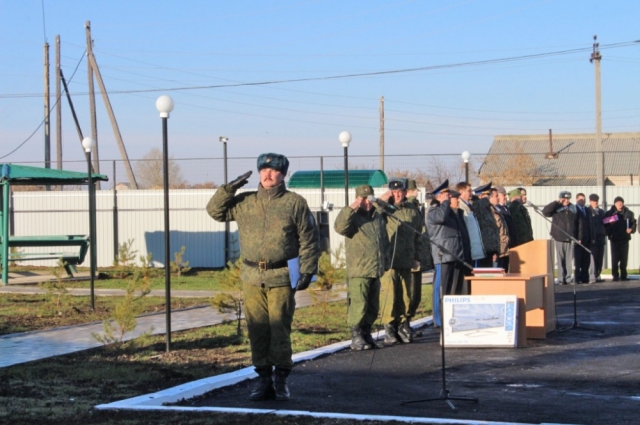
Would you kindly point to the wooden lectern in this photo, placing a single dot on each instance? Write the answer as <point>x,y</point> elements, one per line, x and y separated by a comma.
<point>537,258</point>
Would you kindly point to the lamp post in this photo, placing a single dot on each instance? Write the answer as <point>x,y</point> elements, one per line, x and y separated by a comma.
<point>164,104</point>
<point>88,144</point>
<point>465,157</point>
<point>224,141</point>
<point>345,139</point>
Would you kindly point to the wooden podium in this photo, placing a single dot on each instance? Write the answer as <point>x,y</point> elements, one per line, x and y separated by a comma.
<point>530,278</point>
<point>537,258</point>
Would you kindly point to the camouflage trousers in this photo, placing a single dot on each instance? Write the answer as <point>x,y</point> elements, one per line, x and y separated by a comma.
<point>364,301</point>
<point>415,294</point>
<point>269,313</point>
<point>395,287</point>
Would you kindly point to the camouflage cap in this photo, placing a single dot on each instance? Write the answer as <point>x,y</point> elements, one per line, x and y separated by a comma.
<point>273,160</point>
<point>398,184</point>
<point>514,193</point>
<point>364,191</point>
<point>412,185</point>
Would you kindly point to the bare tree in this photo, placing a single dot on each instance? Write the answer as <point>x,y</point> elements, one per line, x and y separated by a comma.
<point>149,173</point>
<point>517,169</point>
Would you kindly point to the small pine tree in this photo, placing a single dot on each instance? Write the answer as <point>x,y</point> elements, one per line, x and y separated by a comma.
<point>330,267</point>
<point>329,272</point>
<point>180,266</point>
<point>128,308</point>
<point>125,261</point>
<point>56,290</point>
<point>231,299</point>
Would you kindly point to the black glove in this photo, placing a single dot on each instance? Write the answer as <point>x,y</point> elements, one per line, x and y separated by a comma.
<point>303,282</point>
<point>240,181</point>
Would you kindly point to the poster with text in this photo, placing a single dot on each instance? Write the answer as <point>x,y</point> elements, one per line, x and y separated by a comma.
<point>480,320</point>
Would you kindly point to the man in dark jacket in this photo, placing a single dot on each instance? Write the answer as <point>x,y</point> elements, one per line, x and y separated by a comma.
<point>442,225</point>
<point>584,232</point>
<point>599,238</point>
<point>620,223</point>
<point>481,207</point>
<point>462,285</point>
<point>563,227</point>
<point>367,253</point>
<point>520,216</point>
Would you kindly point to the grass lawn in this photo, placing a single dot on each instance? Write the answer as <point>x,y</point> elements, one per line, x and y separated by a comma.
<point>64,389</point>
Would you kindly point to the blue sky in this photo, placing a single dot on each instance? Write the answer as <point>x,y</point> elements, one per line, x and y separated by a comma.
<point>168,46</point>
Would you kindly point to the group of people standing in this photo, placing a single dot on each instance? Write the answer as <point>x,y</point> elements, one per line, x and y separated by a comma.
<point>580,233</point>
<point>390,241</point>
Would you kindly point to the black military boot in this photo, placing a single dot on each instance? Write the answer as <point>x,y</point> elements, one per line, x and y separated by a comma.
<point>391,334</point>
<point>366,334</point>
<point>264,387</point>
<point>358,343</point>
<point>404,332</point>
<point>280,384</point>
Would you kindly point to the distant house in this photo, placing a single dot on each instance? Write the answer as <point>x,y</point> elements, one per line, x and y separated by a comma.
<point>123,186</point>
<point>562,160</point>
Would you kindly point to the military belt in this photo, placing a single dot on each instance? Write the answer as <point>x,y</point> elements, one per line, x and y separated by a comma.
<point>266,265</point>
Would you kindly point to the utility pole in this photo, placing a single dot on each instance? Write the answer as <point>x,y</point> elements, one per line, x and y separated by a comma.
<point>600,178</point>
<point>114,123</point>
<point>382,133</point>
<point>58,110</point>
<point>92,99</point>
<point>47,106</point>
<point>94,70</point>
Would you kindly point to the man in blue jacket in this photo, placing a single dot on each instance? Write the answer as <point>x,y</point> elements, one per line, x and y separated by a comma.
<point>442,226</point>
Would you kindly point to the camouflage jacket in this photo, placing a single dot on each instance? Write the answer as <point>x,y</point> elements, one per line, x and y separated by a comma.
<point>488,227</point>
<point>366,243</point>
<point>406,245</point>
<point>274,225</point>
<point>426,262</point>
<point>522,220</point>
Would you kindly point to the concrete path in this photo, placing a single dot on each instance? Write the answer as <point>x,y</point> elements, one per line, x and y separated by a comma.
<point>29,346</point>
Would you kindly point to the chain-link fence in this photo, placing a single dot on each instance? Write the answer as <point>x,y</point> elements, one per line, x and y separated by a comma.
<point>509,169</point>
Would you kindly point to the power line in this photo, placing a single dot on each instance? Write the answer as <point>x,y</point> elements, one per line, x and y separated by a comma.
<point>43,120</point>
<point>358,75</point>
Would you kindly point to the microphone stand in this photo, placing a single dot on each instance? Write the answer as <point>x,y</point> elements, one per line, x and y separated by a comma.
<point>574,241</point>
<point>445,394</point>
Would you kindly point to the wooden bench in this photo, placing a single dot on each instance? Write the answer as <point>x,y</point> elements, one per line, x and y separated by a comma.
<point>69,258</point>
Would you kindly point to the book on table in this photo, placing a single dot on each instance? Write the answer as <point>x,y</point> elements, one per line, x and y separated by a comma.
<point>488,271</point>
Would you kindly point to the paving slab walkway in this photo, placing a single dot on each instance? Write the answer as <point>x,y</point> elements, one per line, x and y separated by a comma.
<point>29,346</point>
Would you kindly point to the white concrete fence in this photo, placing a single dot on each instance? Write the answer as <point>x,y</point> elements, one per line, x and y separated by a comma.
<point>140,219</point>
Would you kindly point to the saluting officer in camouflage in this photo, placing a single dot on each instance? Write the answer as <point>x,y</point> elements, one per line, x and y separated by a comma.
<point>406,248</point>
<point>368,257</point>
<point>426,262</point>
<point>274,226</point>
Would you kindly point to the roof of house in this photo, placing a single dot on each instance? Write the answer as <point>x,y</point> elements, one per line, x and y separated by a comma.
<point>335,178</point>
<point>575,156</point>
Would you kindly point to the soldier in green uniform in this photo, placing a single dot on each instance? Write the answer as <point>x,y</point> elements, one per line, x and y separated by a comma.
<point>426,262</point>
<point>368,257</point>
<point>406,247</point>
<point>274,226</point>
